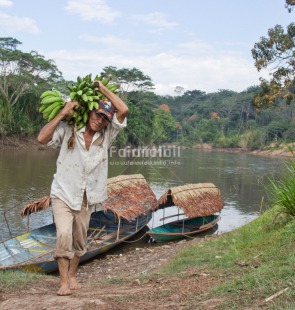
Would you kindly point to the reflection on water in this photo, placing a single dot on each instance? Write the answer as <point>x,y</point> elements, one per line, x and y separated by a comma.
<point>27,175</point>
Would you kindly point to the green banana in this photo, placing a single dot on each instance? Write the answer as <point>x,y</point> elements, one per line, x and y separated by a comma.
<point>50,93</point>
<point>54,112</point>
<point>85,97</point>
<point>105,81</point>
<point>90,105</point>
<point>112,87</point>
<point>95,105</point>
<point>80,125</point>
<point>73,95</point>
<point>85,117</point>
<point>82,85</point>
<point>51,99</point>
<point>48,109</point>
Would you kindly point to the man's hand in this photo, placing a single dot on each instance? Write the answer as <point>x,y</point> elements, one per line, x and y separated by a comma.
<point>68,109</point>
<point>47,131</point>
<point>99,85</point>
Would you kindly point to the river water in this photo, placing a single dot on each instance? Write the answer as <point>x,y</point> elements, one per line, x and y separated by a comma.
<point>26,175</point>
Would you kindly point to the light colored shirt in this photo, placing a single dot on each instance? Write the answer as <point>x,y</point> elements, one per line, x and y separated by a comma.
<point>79,170</point>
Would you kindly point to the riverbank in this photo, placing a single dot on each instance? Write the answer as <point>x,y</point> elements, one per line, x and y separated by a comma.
<point>274,149</point>
<point>249,268</point>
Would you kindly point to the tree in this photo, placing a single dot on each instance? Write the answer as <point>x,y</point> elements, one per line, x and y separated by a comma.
<point>129,79</point>
<point>179,90</point>
<point>276,52</point>
<point>20,71</point>
<point>140,123</point>
<point>164,127</point>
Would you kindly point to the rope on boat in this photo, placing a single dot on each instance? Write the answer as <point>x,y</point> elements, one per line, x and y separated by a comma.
<point>136,239</point>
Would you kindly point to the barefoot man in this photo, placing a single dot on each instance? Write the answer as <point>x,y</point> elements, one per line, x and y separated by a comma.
<point>80,180</point>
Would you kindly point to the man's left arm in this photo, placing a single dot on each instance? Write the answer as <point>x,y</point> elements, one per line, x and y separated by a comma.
<point>118,103</point>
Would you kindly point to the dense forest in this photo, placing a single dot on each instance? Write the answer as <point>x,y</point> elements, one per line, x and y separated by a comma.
<point>250,119</point>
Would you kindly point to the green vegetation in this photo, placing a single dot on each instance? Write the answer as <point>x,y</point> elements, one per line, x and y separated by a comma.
<point>224,119</point>
<point>250,264</point>
<point>283,191</point>
<point>11,280</point>
<point>276,52</point>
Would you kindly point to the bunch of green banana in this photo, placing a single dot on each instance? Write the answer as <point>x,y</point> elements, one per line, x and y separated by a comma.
<point>86,93</point>
<point>51,104</point>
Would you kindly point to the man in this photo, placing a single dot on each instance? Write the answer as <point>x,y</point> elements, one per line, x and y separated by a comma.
<point>81,177</point>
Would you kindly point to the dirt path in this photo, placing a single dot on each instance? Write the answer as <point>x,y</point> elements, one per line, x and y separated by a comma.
<point>126,278</point>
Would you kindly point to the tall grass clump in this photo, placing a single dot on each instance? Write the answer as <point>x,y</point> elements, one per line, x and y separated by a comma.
<point>283,191</point>
<point>11,280</point>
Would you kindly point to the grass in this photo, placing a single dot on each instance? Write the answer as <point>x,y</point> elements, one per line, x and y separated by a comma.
<point>11,280</point>
<point>283,191</point>
<point>254,262</point>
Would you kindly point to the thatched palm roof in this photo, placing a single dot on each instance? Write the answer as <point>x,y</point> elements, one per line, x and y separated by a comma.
<point>200,199</point>
<point>129,196</point>
<point>36,206</point>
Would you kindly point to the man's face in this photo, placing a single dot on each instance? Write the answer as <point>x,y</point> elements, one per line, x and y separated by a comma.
<point>98,121</point>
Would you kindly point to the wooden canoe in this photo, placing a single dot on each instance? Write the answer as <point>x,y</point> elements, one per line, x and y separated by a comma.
<point>33,251</point>
<point>126,211</point>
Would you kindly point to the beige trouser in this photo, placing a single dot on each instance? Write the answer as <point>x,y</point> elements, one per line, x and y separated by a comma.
<point>71,228</point>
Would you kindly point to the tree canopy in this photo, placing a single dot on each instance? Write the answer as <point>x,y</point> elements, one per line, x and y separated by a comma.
<point>129,79</point>
<point>20,71</point>
<point>276,51</point>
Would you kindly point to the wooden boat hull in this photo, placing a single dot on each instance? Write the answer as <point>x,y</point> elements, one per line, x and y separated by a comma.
<point>33,251</point>
<point>183,228</point>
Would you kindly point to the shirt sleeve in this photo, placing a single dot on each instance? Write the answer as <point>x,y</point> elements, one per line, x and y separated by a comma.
<point>114,129</point>
<point>116,124</point>
<point>58,136</point>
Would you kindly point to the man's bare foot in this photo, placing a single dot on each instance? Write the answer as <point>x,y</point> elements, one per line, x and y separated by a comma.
<point>74,285</point>
<point>64,290</point>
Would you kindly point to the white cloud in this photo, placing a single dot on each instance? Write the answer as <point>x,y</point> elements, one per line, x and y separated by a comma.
<point>111,44</point>
<point>192,65</point>
<point>6,3</point>
<point>90,10</point>
<point>10,23</point>
<point>157,20</point>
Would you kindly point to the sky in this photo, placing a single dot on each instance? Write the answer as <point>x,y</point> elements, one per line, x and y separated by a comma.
<point>195,44</point>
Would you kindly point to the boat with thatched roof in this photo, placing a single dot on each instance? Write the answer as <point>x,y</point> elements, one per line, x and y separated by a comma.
<point>199,203</point>
<point>126,211</point>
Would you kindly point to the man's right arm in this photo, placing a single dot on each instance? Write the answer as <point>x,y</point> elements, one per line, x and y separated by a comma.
<point>46,133</point>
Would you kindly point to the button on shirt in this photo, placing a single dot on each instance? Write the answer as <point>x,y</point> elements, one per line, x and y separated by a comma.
<point>80,169</point>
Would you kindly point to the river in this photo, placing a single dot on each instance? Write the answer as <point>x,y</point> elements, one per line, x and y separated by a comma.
<point>26,175</point>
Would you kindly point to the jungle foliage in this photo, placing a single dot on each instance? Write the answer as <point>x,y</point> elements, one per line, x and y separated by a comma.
<point>224,118</point>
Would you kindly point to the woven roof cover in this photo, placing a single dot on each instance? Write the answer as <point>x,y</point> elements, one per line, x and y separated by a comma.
<point>200,199</point>
<point>36,206</point>
<point>130,196</point>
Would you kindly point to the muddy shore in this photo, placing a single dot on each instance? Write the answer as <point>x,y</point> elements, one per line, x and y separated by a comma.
<point>128,277</point>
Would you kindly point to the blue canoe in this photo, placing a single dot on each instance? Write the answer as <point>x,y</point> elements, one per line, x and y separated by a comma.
<point>183,228</point>
<point>33,251</point>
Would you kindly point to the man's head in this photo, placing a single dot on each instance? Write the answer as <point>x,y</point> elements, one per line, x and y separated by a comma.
<point>101,117</point>
<point>106,108</point>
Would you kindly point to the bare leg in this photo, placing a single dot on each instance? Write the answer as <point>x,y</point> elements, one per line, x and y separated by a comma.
<point>63,266</point>
<point>74,285</point>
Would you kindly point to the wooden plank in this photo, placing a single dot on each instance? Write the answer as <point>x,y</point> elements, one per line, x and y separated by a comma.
<point>110,236</point>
